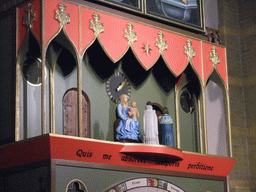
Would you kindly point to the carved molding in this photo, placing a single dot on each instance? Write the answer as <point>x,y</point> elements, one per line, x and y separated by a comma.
<point>215,59</point>
<point>61,16</point>
<point>96,26</point>
<point>160,43</point>
<point>129,34</point>
<point>213,35</point>
<point>29,18</point>
<point>189,51</point>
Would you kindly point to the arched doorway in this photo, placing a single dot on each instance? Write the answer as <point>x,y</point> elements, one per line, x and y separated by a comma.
<point>70,114</point>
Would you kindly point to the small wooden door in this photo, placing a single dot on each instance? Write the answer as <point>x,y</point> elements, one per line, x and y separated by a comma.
<point>70,114</point>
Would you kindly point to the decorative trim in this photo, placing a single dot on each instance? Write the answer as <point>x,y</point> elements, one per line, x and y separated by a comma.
<point>146,48</point>
<point>213,35</point>
<point>215,59</point>
<point>76,183</point>
<point>160,43</point>
<point>29,17</point>
<point>61,16</point>
<point>129,34</point>
<point>96,26</point>
<point>189,51</point>
<point>204,128</point>
<point>80,83</point>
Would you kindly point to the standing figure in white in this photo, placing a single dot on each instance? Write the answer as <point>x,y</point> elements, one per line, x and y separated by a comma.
<point>150,124</point>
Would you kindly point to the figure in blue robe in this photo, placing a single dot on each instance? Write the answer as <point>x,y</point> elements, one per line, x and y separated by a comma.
<point>128,128</point>
<point>166,126</point>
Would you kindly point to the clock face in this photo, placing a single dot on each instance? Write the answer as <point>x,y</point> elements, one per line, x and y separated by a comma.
<point>117,85</point>
<point>145,184</point>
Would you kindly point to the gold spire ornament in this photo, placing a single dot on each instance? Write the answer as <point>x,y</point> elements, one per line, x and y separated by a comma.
<point>61,16</point>
<point>189,51</point>
<point>29,18</point>
<point>146,48</point>
<point>96,26</point>
<point>129,34</point>
<point>160,43</point>
<point>215,59</point>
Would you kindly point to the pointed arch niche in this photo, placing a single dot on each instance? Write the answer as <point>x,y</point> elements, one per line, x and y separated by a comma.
<point>30,78</point>
<point>188,107</point>
<point>216,116</point>
<point>61,61</point>
<point>156,85</point>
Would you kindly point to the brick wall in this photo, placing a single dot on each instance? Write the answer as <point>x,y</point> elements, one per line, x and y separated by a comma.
<point>248,58</point>
<point>237,23</point>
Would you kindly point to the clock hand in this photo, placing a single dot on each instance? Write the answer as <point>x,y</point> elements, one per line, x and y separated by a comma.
<point>121,85</point>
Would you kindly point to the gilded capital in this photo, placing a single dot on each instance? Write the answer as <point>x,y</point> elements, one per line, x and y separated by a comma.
<point>29,18</point>
<point>129,34</point>
<point>61,16</point>
<point>96,26</point>
<point>160,43</point>
<point>189,51</point>
<point>215,59</point>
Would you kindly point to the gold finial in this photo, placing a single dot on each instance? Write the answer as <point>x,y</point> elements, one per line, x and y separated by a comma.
<point>29,18</point>
<point>96,26</point>
<point>129,34</point>
<point>160,43</point>
<point>189,51</point>
<point>215,59</point>
<point>61,16</point>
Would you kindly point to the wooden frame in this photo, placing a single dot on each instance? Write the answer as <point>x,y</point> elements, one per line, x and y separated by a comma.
<point>187,13</point>
<point>134,5</point>
<point>183,13</point>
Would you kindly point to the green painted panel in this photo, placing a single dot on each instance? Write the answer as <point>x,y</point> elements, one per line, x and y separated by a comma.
<point>103,110</point>
<point>101,180</point>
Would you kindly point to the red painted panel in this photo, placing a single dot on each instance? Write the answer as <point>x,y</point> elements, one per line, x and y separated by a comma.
<point>72,28</point>
<point>153,151</point>
<point>115,44</point>
<point>208,66</point>
<point>222,66</point>
<point>51,24</point>
<point>146,36</point>
<point>112,38</point>
<point>96,151</point>
<point>22,29</point>
<point>175,55</point>
<point>37,25</point>
<point>197,60</point>
<point>87,35</point>
<point>25,152</point>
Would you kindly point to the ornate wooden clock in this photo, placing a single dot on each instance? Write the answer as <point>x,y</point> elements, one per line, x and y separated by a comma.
<point>117,85</point>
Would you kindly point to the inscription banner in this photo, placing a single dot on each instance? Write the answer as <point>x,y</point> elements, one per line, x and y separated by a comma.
<point>53,146</point>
